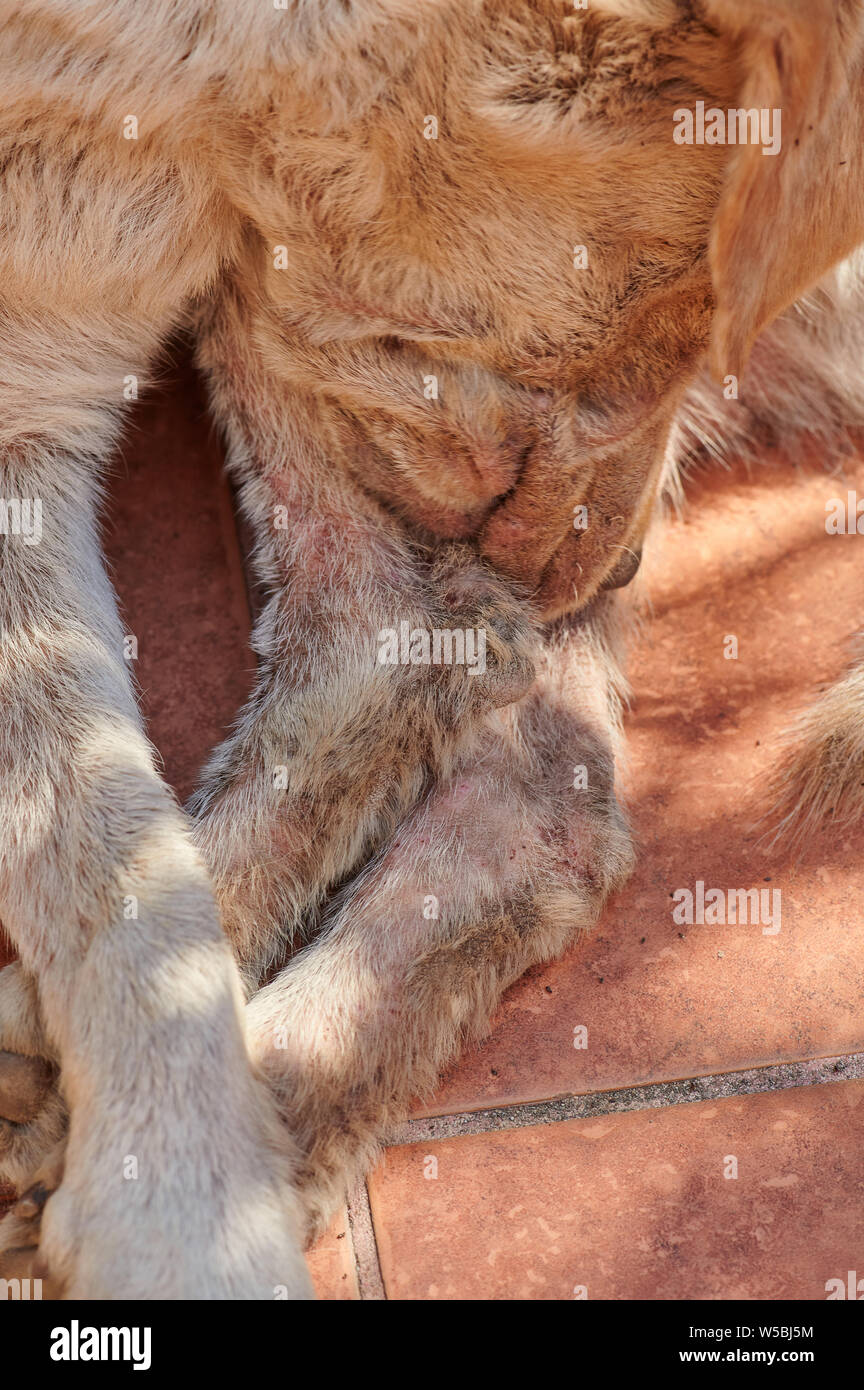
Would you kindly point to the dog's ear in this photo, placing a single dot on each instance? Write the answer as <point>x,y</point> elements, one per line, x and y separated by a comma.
<point>785,219</point>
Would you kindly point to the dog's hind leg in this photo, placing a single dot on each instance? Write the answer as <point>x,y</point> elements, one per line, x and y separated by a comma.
<point>501,867</point>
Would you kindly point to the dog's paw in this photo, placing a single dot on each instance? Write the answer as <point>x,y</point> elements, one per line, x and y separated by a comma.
<point>32,1115</point>
<point>20,1229</point>
<point>99,1243</point>
<point>160,1205</point>
<point>32,1127</point>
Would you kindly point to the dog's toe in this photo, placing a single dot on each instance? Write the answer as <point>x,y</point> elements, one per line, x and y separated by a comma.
<point>31,1202</point>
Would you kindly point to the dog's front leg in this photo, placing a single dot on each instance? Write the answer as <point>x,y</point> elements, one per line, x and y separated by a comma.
<point>174,1184</point>
<point>502,865</point>
<point>346,726</point>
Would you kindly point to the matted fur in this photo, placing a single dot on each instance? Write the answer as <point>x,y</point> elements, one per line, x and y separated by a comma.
<point>282,199</point>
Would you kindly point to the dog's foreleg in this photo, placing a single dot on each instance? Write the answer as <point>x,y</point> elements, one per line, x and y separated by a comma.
<point>174,1183</point>
<point>499,868</point>
<point>345,727</point>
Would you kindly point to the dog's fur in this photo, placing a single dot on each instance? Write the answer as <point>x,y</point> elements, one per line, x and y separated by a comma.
<point>281,198</point>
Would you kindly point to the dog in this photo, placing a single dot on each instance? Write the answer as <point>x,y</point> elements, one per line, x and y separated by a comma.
<point>454,272</point>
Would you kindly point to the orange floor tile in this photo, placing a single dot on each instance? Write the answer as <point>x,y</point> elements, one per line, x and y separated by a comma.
<point>636,1206</point>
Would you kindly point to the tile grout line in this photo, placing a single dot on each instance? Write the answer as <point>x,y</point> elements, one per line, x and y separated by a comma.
<point>722,1086</point>
<point>370,1281</point>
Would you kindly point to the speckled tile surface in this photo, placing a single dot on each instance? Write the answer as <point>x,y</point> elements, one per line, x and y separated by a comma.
<point>756,1197</point>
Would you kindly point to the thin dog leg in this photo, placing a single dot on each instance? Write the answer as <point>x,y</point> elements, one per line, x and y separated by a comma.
<point>177,1180</point>
<point>333,746</point>
<point>505,862</point>
<point>112,913</point>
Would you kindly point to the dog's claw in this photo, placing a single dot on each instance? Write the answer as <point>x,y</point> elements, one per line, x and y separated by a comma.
<point>20,1235</point>
<point>33,1200</point>
<point>24,1084</point>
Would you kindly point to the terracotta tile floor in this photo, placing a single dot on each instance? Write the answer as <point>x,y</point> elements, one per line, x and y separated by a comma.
<point>756,1197</point>
<point>585,1171</point>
